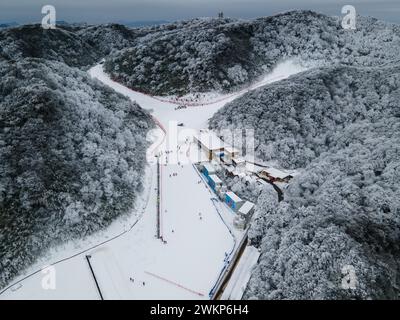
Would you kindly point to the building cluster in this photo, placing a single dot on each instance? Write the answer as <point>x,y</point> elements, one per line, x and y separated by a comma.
<point>230,159</point>
<point>216,151</point>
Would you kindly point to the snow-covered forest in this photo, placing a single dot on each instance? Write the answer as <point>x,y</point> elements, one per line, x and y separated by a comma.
<point>72,151</point>
<point>76,46</point>
<point>298,119</point>
<point>223,54</point>
<point>342,211</point>
<point>72,157</point>
<point>341,126</point>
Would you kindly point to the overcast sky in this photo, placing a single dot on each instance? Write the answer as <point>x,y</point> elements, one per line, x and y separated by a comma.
<point>100,11</point>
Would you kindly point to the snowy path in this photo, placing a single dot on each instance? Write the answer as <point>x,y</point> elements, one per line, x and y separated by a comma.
<point>195,117</point>
<point>241,275</point>
<point>128,260</point>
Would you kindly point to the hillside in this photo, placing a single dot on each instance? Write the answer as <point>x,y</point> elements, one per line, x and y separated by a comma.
<point>341,125</point>
<point>108,37</point>
<point>72,158</point>
<point>76,46</point>
<point>344,210</point>
<point>298,119</point>
<point>72,151</point>
<point>34,42</point>
<point>222,54</point>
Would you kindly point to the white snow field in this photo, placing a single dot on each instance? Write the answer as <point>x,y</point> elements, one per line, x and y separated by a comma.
<point>127,259</point>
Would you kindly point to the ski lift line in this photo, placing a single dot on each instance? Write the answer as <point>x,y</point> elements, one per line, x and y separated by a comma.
<point>159,182</point>
<point>158,199</point>
<point>175,284</point>
<point>160,212</point>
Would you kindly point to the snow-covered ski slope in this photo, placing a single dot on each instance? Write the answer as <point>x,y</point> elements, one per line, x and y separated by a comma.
<point>193,117</point>
<point>128,261</point>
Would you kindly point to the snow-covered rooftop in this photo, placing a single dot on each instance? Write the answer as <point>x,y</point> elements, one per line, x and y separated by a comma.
<point>276,173</point>
<point>210,169</point>
<point>210,140</point>
<point>233,196</point>
<point>215,178</point>
<point>230,149</point>
<point>239,160</point>
<point>246,207</point>
<point>218,153</point>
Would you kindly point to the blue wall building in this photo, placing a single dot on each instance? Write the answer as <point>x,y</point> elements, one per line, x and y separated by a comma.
<point>233,201</point>
<point>214,181</point>
<point>208,170</point>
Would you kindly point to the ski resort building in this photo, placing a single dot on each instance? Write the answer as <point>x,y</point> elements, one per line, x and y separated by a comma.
<point>214,182</point>
<point>275,175</point>
<point>207,169</point>
<point>209,143</point>
<point>230,153</point>
<point>227,155</point>
<point>239,162</point>
<point>218,155</point>
<point>233,201</point>
<point>246,211</point>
